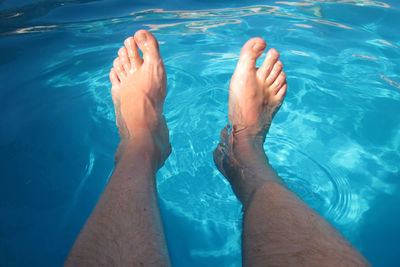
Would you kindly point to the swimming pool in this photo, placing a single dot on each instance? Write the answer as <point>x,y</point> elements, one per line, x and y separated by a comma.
<point>335,140</point>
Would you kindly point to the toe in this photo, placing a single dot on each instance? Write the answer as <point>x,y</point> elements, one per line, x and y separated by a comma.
<point>148,45</point>
<point>279,82</point>
<point>270,59</point>
<point>119,69</point>
<point>123,55</point>
<point>114,79</point>
<point>282,91</point>
<point>273,75</point>
<point>133,53</point>
<point>251,50</point>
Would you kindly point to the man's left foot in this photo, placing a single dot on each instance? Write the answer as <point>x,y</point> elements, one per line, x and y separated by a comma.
<point>138,90</point>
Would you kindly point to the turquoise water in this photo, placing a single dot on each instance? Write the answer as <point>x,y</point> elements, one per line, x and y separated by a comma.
<point>336,139</point>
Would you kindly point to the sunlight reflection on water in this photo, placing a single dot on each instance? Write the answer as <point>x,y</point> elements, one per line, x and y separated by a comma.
<point>335,140</point>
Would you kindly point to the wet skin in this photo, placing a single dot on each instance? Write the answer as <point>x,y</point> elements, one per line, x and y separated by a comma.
<point>279,229</point>
<point>125,228</point>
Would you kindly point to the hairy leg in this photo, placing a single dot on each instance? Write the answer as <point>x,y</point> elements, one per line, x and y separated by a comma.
<point>125,227</point>
<point>279,229</point>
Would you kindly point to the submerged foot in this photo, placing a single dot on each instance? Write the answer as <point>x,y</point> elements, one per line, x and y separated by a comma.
<point>139,89</point>
<point>255,95</point>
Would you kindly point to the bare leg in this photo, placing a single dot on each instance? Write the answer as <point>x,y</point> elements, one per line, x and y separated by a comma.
<point>125,227</point>
<point>279,229</point>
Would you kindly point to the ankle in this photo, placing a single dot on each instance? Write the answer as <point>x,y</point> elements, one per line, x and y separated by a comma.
<point>249,165</point>
<point>150,145</point>
<point>250,178</point>
<point>247,148</point>
<point>141,139</point>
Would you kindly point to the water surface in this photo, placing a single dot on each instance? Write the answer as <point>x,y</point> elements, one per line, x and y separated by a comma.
<point>335,140</point>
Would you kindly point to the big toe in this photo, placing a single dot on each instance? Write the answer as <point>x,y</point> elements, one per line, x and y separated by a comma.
<point>251,50</point>
<point>148,45</point>
<point>133,53</point>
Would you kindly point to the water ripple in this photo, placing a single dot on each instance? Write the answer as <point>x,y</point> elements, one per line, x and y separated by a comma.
<point>335,140</point>
<point>324,188</point>
<point>195,21</point>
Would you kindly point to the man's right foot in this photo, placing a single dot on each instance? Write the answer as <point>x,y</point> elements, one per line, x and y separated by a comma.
<point>255,95</point>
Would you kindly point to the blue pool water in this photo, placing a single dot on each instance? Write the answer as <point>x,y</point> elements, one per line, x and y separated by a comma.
<point>336,139</point>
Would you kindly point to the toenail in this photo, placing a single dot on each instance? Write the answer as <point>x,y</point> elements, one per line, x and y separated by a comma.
<point>273,53</point>
<point>258,46</point>
<point>130,42</point>
<point>143,37</point>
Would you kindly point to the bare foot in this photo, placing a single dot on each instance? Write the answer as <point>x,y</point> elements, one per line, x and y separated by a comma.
<point>255,95</point>
<point>138,91</point>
